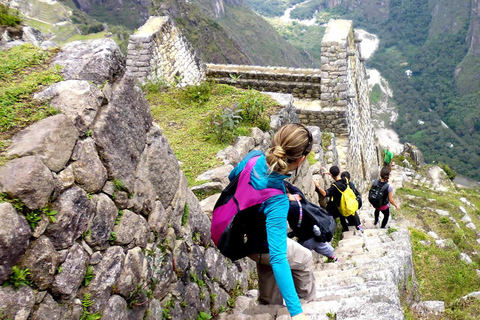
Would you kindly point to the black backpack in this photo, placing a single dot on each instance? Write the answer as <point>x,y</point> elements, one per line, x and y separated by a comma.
<point>312,215</point>
<point>377,195</point>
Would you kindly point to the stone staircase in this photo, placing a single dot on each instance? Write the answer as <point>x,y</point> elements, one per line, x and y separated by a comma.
<point>366,283</point>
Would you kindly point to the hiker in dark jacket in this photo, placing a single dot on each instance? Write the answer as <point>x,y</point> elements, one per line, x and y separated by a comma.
<point>388,198</point>
<point>335,195</point>
<point>355,219</point>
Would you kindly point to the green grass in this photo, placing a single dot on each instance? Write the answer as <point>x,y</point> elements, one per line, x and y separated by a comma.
<point>376,93</point>
<point>440,273</point>
<point>185,123</point>
<point>24,70</point>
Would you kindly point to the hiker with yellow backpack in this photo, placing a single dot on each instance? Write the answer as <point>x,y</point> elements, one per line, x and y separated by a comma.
<point>343,202</point>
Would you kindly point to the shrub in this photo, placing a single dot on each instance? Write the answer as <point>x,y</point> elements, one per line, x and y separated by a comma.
<point>18,278</point>
<point>199,93</point>
<point>451,174</point>
<point>7,18</point>
<point>224,125</point>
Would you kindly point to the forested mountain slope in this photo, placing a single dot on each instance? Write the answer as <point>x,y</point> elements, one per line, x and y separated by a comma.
<point>439,41</point>
<point>222,31</point>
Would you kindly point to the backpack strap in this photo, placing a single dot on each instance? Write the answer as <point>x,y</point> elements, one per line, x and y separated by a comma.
<point>300,210</point>
<point>339,188</point>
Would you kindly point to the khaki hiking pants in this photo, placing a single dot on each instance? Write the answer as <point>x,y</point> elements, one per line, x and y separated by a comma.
<point>301,263</point>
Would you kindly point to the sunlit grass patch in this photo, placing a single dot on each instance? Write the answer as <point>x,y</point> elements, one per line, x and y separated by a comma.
<point>441,274</point>
<point>24,70</point>
<point>184,118</point>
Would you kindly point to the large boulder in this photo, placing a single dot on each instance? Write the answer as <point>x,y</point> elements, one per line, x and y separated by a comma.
<point>41,260</point>
<point>28,180</point>
<point>79,100</point>
<point>16,303</point>
<point>106,274</point>
<point>51,139</point>
<point>88,170</point>
<point>134,272</point>
<point>49,309</point>
<point>98,60</point>
<point>102,223</point>
<point>74,213</point>
<point>73,270</point>
<point>160,166</point>
<point>14,239</point>
<point>120,131</point>
<point>414,153</point>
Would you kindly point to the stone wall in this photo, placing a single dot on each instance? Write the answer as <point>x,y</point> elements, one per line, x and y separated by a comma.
<point>345,86</point>
<point>158,52</point>
<point>95,207</point>
<point>301,83</point>
<point>336,95</point>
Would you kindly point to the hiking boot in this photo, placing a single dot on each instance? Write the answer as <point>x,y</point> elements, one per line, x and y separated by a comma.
<point>331,259</point>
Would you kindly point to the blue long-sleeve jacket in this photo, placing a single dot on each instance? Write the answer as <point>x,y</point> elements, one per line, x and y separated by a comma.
<point>276,211</point>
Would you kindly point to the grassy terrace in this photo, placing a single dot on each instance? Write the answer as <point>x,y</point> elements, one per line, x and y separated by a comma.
<point>24,70</point>
<point>198,121</point>
<point>441,274</point>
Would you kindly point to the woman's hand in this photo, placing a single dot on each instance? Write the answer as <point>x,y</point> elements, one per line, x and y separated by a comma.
<point>300,316</point>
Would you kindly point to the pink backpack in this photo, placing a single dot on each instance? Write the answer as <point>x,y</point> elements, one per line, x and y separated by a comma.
<point>238,228</point>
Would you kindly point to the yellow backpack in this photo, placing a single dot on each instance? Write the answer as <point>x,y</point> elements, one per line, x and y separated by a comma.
<point>348,202</point>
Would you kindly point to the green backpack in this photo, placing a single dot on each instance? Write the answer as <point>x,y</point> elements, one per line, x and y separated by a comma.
<point>348,202</point>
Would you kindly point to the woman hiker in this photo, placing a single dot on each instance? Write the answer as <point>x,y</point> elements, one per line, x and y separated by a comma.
<point>287,260</point>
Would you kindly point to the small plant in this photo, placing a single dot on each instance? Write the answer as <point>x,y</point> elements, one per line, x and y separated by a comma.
<point>326,140</point>
<point>119,217</point>
<point>137,295</point>
<point>86,234</point>
<point>86,303</point>
<point>196,237</point>
<point>113,237</point>
<point>252,108</point>
<point>444,220</point>
<point>451,174</point>
<point>118,184</point>
<point>167,309</point>
<point>89,133</point>
<point>235,77</point>
<point>19,277</point>
<point>33,218</point>
<point>331,316</point>
<point>185,215</point>
<point>213,297</point>
<point>89,275</point>
<point>390,231</point>
<point>199,93</point>
<point>224,125</point>
<point>17,204</point>
<point>204,316</point>
<point>59,270</point>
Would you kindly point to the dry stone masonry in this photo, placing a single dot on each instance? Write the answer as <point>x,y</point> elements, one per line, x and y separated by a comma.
<point>129,239</point>
<point>158,52</point>
<point>126,238</point>
<point>301,83</point>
